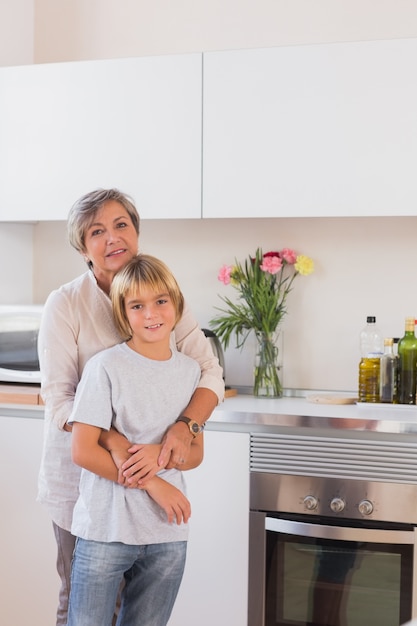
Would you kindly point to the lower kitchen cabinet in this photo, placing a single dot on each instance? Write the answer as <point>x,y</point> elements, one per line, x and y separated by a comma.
<point>27,566</point>
<point>214,587</point>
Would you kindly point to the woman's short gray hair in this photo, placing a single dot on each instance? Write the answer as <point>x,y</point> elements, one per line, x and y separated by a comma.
<point>82,213</point>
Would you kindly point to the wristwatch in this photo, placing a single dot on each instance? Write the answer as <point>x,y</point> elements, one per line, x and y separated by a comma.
<point>195,428</point>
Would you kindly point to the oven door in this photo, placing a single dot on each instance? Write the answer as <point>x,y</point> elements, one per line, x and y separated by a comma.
<point>318,574</point>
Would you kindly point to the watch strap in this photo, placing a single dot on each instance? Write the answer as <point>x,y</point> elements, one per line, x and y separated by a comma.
<point>194,427</point>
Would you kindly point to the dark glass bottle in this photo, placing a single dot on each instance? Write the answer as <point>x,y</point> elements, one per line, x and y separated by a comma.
<point>407,367</point>
<point>388,373</point>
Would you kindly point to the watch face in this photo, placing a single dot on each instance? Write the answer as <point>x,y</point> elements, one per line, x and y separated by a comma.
<point>195,428</point>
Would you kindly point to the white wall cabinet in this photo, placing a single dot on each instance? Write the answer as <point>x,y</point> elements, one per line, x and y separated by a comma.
<point>215,583</point>
<point>68,128</point>
<point>29,580</point>
<point>312,130</point>
<point>294,131</point>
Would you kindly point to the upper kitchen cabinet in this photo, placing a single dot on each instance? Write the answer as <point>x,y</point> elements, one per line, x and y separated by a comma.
<point>317,130</point>
<point>69,128</point>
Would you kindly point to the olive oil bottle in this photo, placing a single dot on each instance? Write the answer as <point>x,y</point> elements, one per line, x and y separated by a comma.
<point>369,374</point>
<point>407,368</point>
<point>372,348</point>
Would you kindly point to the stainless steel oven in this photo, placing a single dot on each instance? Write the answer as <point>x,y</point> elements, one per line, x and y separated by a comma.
<point>332,531</point>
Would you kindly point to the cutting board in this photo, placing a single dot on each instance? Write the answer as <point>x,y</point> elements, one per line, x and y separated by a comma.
<point>20,394</point>
<point>331,398</point>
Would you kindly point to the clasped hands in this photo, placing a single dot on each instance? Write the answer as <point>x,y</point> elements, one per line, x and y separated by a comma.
<point>139,464</point>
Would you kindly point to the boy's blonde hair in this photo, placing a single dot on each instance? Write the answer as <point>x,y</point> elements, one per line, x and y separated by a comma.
<point>143,270</point>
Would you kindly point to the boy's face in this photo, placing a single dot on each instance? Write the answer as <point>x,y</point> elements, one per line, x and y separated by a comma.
<point>151,316</point>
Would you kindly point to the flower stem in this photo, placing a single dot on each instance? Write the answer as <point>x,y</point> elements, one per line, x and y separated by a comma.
<point>266,381</point>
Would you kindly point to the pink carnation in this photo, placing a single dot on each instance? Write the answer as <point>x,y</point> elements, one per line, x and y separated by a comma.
<point>224,274</point>
<point>271,264</point>
<point>289,256</point>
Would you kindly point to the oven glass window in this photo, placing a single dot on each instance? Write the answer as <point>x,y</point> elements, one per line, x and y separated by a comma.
<point>320,582</point>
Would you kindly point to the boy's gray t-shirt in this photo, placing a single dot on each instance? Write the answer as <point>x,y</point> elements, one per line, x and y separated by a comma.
<point>141,398</point>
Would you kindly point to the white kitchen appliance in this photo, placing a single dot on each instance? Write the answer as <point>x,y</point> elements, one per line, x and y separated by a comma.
<point>19,329</point>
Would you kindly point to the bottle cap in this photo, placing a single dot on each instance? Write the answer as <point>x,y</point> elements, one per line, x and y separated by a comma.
<point>370,319</point>
<point>388,341</point>
<point>410,323</point>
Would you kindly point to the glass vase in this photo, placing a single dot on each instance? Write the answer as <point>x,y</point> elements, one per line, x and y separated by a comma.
<point>268,369</point>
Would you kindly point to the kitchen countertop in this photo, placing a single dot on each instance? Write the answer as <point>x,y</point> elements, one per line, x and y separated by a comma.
<point>245,413</point>
<point>20,394</point>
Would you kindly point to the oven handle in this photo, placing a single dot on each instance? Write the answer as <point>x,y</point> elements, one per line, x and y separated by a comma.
<point>341,533</point>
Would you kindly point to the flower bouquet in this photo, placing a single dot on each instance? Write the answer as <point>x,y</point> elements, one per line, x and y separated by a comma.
<point>263,283</point>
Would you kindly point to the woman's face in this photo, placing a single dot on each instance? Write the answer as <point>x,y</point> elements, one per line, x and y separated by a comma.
<point>110,242</point>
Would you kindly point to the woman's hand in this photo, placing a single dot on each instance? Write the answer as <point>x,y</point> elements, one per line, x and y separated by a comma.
<point>176,506</point>
<point>176,446</point>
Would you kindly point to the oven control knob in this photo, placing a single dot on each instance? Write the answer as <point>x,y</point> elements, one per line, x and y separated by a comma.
<point>365,507</point>
<point>337,505</point>
<point>310,503</point>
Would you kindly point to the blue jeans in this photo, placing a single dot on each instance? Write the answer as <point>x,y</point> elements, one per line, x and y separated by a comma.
<point>152,575</point>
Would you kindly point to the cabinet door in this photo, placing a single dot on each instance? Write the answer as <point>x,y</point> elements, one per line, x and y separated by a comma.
<point>215,583</point>
<point>318,130</point>
<point>69,128</point>
<point>29,580</point>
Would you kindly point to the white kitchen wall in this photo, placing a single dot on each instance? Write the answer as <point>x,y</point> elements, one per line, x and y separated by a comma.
<point>75,30</point>
<point>364,266</point>
<point>16,240</point>
<point>16,32</point>
<point>16,263</point>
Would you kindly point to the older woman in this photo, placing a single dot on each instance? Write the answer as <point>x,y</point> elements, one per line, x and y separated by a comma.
<point>77,323</point>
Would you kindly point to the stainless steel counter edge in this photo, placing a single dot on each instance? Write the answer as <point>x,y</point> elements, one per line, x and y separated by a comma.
<point>330,426</point>
<point>249,414</point>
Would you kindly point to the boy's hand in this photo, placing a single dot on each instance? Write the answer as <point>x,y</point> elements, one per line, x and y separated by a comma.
<point>142,464</point>
<point>176,506</point>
